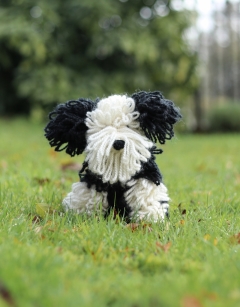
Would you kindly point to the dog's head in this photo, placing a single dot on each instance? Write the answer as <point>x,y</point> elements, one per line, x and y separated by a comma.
<point>117,133</point>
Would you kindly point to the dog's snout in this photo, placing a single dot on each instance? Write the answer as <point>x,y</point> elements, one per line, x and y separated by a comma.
<point>118,144</point>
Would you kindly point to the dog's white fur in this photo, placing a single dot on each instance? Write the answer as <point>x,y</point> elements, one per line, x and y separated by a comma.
<point>147,200</point>
<point>84,200</point>
<point>115,119</point>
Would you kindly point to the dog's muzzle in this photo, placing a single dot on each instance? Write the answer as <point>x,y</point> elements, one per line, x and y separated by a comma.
<point>118,144</point>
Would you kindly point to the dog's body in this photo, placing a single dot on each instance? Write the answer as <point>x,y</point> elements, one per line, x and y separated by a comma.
<point>118,135</point>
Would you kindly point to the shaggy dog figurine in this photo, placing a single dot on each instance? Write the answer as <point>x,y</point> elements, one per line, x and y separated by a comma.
<point>118,135</point>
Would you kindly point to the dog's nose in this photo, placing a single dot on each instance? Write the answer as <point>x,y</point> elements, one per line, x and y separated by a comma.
<point>118,144</point>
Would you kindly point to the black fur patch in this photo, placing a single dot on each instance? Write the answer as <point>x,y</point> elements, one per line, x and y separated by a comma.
<point>150,171</point>
<point>157,115</point>
<point>95,180</point>
<point>117,202</point>
<point>66,128</point>
<point>115,192</point>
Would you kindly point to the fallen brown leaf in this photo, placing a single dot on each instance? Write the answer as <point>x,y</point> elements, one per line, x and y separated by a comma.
<point>235,239</point>
<point>212,296</point>
<point>6,295</point>
<point>134,226</point>
<point>182,211</point>
<point>164,247</point>
<point>41,181</point>
<point>59,249</point>
<point>72,166</point>
<point>36,219</point>
<point>191,301</point>
<point>147,227</point>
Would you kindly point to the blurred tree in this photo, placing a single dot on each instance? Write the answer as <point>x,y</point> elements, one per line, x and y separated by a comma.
<point>224,54</point>
<point>52,51</point>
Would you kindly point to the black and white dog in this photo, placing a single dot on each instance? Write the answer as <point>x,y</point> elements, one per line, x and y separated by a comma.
<point>118,135</point>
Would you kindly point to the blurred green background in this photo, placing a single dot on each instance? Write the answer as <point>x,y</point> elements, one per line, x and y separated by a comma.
<point>54,51</point>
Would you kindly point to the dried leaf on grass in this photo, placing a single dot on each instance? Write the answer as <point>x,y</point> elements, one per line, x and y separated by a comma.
<point>36,219</point>
<point>191,301</point>
<point>181,210</point>
<point>147,227</point>
<point>40,230</point>
<point>41,181</point>
<point>73,166</point>
<point>164,247</point>
<point>134,226</point>
<point>235,239</point>
<point>6,295</point>
<point>212,296</point>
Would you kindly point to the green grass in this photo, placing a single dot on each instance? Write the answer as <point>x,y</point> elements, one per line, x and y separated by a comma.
<point>65,260</point>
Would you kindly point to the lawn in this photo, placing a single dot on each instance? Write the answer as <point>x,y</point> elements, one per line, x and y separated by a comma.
<point>48,258</point>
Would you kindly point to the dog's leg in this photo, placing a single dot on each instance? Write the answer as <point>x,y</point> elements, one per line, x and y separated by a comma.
<point>147,200</point>
<point>85,200</point>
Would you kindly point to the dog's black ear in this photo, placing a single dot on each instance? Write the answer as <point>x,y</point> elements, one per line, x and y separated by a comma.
<point>66,128</point>
<point>157,115</point>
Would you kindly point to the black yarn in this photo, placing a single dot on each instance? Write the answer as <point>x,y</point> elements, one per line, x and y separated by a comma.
<point>150,171</point>
<point>95,180</point>
<point>66,129</point>
<point>157,115</point>
<point>156,151</point>
<point>116,201</point>
<point>115,192</point>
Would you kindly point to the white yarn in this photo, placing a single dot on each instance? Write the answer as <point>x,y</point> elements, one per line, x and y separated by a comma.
<point>115,119</point>
<point>84,200</point>
<point>145,198</point>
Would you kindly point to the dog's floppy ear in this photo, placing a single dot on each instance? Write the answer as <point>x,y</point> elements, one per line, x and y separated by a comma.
<point>66,128</point>
<point>157,115</point>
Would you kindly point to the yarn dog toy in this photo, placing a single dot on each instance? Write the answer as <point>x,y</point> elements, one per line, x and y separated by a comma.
<point>118,135</point>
